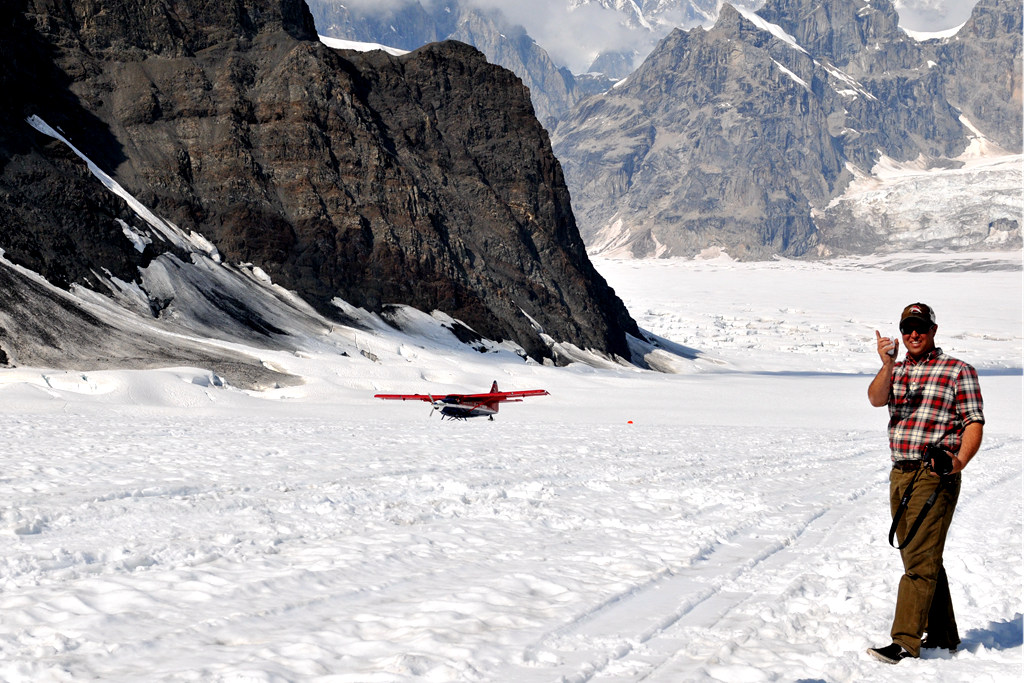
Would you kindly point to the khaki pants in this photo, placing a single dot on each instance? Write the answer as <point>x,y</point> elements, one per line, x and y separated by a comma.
<point>923,602</point>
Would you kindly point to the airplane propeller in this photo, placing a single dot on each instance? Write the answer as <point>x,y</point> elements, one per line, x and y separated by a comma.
<point>433,405</point>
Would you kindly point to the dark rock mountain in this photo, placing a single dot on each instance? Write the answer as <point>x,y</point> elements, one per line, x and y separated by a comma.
<point>919,87</point>
<point>710,141</point>
<point>423,180</point>
<point>742,136</point>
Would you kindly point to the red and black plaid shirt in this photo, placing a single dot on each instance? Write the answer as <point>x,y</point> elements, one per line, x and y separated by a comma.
<point>931,400</point>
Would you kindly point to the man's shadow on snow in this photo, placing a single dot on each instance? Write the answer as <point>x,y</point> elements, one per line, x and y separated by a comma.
<point>1000,635</point>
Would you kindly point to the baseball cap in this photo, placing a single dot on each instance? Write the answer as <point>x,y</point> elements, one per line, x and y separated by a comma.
<point>918,311</point>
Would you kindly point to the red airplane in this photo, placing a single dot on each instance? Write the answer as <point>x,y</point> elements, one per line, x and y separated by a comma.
<point>465,406</point>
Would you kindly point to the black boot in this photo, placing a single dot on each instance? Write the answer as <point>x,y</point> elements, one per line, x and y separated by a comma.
<point>890,654</point>
<point>930,644</point>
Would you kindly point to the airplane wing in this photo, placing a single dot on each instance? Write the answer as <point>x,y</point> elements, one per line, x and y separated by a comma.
<point>466,398</point>
<point>407,397</point>
<point>503,395</point>
<point>523,394</point>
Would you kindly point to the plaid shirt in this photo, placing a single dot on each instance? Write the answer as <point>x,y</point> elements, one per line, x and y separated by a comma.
<point>930,403</point>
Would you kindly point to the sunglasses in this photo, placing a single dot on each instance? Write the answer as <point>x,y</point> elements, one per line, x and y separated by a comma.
<point>919,326</point>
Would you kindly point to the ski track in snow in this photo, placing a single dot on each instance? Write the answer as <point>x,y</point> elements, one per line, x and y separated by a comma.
<point>157,528</point>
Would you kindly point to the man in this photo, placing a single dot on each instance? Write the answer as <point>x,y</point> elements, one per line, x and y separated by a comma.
<point>934,400</point>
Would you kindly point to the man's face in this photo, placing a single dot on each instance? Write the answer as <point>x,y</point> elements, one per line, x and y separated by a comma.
<point>918,336</point>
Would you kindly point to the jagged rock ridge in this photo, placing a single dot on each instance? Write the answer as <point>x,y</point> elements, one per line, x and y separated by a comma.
<point>424,180</point>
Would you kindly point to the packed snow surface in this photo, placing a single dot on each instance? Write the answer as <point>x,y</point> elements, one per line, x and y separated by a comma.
<point>724,524</point>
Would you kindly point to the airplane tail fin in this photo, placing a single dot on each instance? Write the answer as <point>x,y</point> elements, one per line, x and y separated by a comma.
<point>494,390</point>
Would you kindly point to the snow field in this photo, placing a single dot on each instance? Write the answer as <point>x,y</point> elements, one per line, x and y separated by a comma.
<point>798,316</point>
<point>164,526</point>
<point>304,549</point>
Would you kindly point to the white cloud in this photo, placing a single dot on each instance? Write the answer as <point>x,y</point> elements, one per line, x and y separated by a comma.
<point>573,37</point>
<point>933,15</point>
<point>374,6</point>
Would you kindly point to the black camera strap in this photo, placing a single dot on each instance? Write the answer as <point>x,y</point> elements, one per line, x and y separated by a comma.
<point>920,517</point>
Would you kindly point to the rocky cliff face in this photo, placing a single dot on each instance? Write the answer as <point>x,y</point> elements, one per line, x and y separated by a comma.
<point>424,180</point>
<point>983,62</point>
<point>713,140</point>
<point>553,89</point>
<point>742,136</point>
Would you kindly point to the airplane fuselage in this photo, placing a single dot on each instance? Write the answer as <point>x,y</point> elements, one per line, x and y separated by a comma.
<point>455,408</point>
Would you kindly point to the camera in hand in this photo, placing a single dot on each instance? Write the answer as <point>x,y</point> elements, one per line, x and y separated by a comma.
<point>939,459</point>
